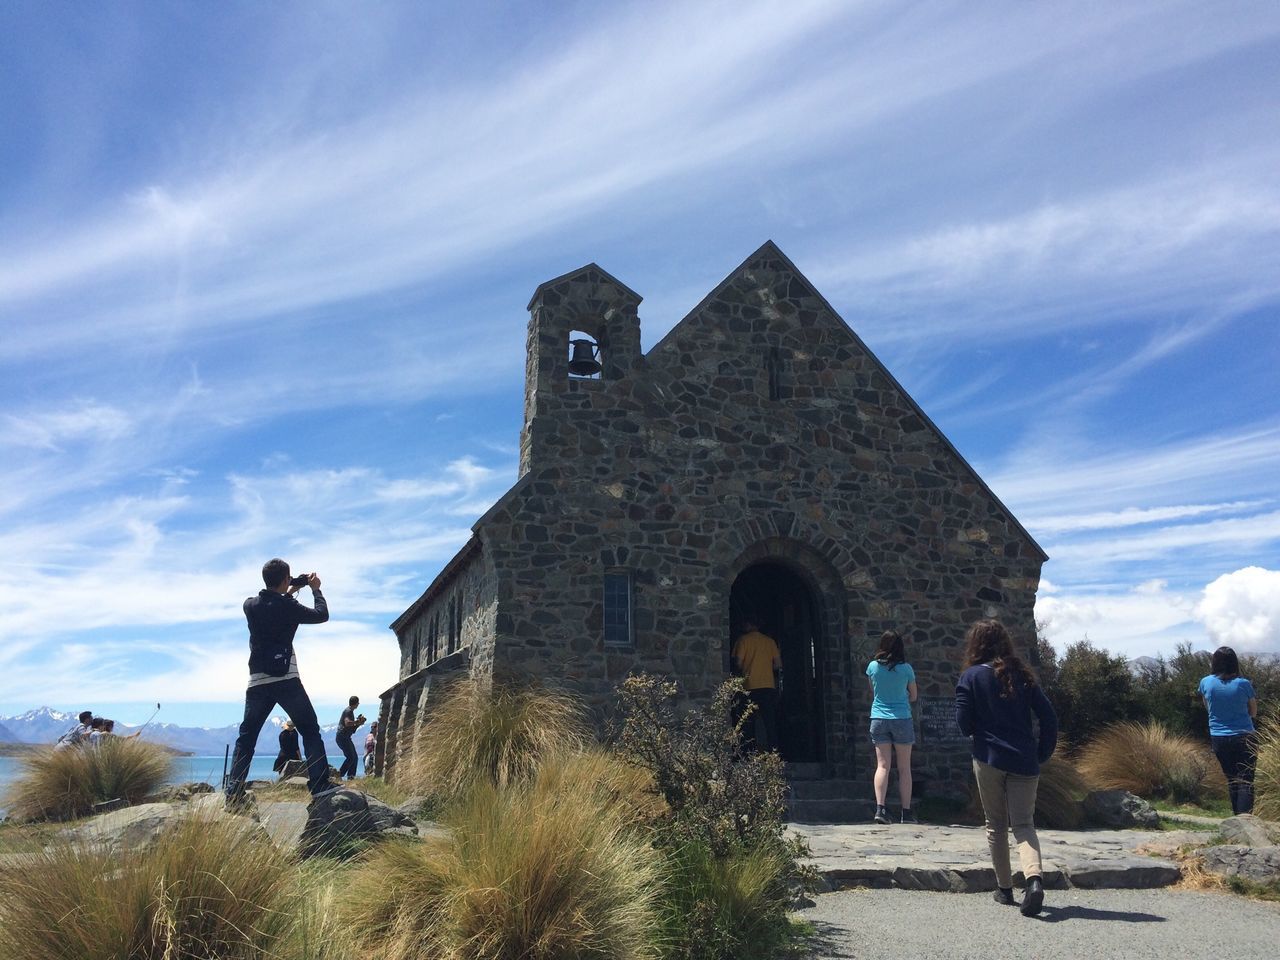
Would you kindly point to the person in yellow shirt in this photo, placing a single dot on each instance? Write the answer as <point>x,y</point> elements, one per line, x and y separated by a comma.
<point>760,662</point>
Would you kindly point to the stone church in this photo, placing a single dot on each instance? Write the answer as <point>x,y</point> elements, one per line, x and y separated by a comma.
<point>758,461</point>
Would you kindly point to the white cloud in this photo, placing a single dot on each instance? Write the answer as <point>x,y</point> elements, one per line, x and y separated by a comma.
<point>1131,516</point>
<point>49,430</point>
<point>1140,621</point>
<point>1242,609</point>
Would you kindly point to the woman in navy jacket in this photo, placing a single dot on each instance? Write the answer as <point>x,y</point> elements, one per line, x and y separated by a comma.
<point>996,697</point>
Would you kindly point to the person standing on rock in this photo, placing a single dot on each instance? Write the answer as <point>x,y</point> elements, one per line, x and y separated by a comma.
<point>996,697</point>
<point>274,616</point>
<point>348,724</point>
<point>893,691</point>
<point>758,658</point>
<point>1232,706</point>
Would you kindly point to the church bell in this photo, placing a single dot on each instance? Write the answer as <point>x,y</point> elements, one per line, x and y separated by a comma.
<point>585,359</point>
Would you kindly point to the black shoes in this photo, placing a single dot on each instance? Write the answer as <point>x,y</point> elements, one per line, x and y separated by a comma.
<point>1004,897</point>
<point>1033,900</point>
<point>908,816</point>
<point>882,815</point>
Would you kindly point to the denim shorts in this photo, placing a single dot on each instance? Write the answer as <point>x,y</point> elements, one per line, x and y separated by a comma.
<point>901,732</point>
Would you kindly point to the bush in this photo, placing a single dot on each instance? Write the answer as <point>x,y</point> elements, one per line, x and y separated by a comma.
<point>724,908</point>
<point>1266,786</point>
<point>1090,690</point>
<point>497,736</point>
<point>1168,692</point>
<point>205,889</point>
<point>717,794</point>
<point>1148,760</point>
<point>65,784</point>
<point>544,870</point>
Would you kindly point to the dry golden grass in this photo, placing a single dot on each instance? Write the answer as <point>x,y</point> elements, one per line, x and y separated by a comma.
<point>65,784</point>
<point>1059,795</point>
<point>1148,760</point>
<point>205,889</point>
<point>497,736</point>
<point>1266,784</point>
<point>543,870</point>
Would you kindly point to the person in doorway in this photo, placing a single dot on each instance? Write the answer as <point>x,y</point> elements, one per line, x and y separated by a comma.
<point>348,724</point>
<point>757,657</point>
<point>996,697</point>
<point>78,732</point>
<point>274,616</point>
<point>1232,705</point>
<point>893,691</point>
<point>370,747</point>
<point>289,754</point>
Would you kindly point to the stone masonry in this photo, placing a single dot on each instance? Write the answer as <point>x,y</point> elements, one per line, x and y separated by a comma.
<point>759,437</point>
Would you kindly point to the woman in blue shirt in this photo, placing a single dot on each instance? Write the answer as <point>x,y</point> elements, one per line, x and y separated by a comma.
<point>1232,705</point>
<point>893,690</point>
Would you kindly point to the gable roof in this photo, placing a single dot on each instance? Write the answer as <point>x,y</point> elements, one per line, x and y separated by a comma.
<point>771,250</point>
<point>605,274</point>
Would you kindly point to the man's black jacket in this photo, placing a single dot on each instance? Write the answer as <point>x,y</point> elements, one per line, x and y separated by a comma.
<point>273,620</point>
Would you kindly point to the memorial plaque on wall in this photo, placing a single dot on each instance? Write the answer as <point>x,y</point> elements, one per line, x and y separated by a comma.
<point>938,721</point>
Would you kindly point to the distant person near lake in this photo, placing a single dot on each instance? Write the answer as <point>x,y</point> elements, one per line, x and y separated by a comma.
<point>348,724</point>
<point>893,691</point>
<point>1232,705</point>
<point>274,616</point>
<point>370,747</point>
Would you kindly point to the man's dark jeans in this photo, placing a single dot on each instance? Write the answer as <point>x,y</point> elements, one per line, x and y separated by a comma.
<point>762,728</point>
<point>258,703</point>
<point>351,765</point>
<point>1238,757</point>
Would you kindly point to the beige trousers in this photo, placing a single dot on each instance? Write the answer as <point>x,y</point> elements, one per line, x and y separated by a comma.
<point>1009,801</point>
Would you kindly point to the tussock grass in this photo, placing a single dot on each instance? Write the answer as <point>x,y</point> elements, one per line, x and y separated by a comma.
<point>1266,784</point>
<point>724,908</point>
<point>536,871</point>
<point>65,784</point>
<point>1147,760</point>
<point>496,735</point>
<point>207,888</point>
<point>1059,795</point>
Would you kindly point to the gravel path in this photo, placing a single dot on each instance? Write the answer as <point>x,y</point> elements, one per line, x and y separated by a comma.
<point>1099,924</point>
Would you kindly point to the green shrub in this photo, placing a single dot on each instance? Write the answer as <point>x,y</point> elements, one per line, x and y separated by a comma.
<point>65,784</point>
<point>205,889</point>
<point>496,735</point>
<point>1090,689</point>
<point>1168,692</point>
<point>541,870</point>
<point>1148,760</point>
<point>730,907</point>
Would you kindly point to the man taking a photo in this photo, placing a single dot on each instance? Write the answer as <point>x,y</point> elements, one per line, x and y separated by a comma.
<point>348,724</point>
<point>274,616</point>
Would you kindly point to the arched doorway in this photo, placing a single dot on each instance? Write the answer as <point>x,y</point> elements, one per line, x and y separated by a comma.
<point>782,604</point>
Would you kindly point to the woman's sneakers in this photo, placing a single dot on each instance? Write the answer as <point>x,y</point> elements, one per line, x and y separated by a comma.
<point>882,815</point>
<point>1004,896</point>
<point>908,815</point>
<point>1033,900</point>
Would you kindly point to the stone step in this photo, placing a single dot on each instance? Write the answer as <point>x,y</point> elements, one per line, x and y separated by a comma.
<point>846,810</point>
<point>804,771</point>
<point>828,789</point>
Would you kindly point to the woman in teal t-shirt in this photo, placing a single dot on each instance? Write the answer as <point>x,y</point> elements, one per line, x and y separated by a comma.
<point>1232,705</point>
<point>893,690</point>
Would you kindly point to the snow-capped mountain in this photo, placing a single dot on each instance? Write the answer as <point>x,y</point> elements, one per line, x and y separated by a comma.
<point>46,725</point>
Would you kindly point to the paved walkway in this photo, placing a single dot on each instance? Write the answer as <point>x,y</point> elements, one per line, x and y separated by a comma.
<point>956,859</point>
<point>1133,924</point>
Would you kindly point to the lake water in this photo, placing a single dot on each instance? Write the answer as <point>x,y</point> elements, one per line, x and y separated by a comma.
<point>205,769</point>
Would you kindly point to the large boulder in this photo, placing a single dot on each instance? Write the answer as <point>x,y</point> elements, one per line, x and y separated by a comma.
<point>1259,864</point>
<point>128,829</point>
<point>1247,830</point>
<point>342,822</point>
<point>1120,809</point>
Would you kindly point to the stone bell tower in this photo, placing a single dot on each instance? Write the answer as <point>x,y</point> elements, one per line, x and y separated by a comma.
<point>586,304</point>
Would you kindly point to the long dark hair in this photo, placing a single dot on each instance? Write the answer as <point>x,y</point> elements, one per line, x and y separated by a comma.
<point>989,642</point>
<point>890,652</point>
<point>1224,664</point>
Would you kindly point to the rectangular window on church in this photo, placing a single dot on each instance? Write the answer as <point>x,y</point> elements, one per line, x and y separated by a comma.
<point>617,610</point>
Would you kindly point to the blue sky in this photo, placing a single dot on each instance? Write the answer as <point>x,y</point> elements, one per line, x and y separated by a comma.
<point>263,270</point>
